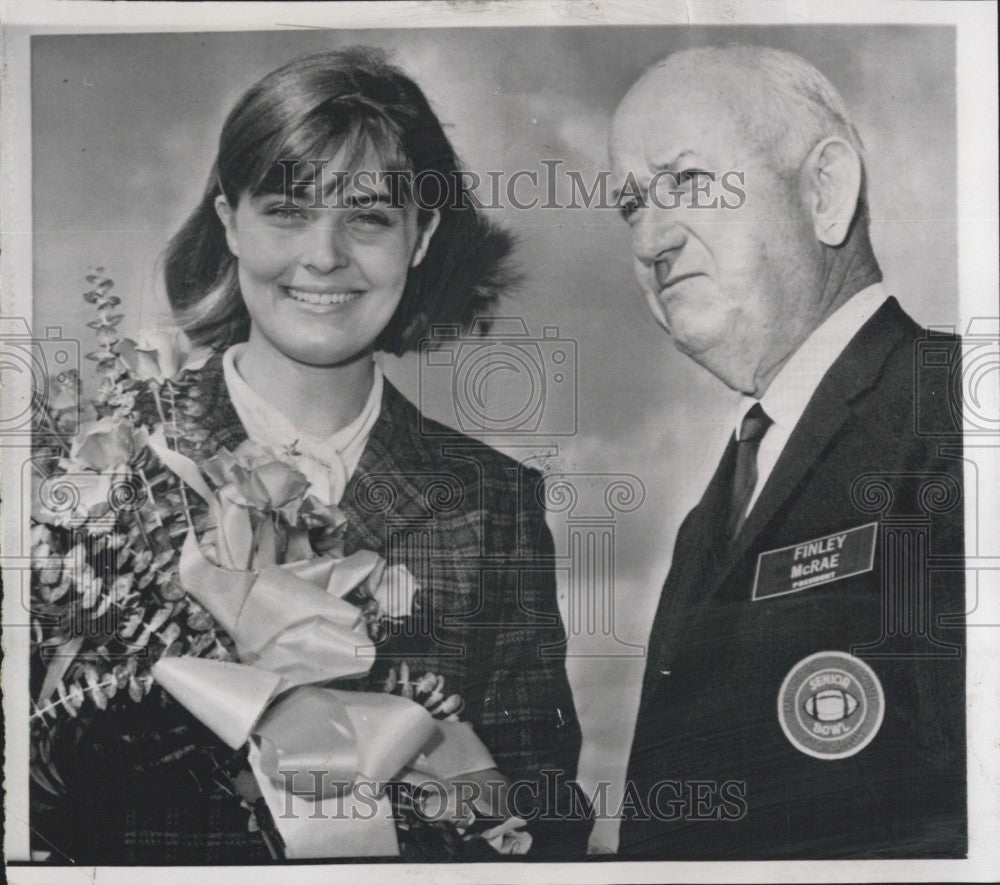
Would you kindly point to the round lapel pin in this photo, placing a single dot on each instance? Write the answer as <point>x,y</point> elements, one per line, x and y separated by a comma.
<point>831,705</point>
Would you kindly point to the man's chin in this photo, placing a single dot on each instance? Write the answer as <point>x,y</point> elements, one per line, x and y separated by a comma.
<point>709,353</point>
<point>692,342</point>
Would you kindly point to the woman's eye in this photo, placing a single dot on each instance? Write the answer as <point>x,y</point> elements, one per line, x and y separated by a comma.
<point>372,219</point>
<point>286,212</point>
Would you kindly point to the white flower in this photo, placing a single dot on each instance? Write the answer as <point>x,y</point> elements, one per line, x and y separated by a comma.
<point>395,591</point>
<point>71,500</point>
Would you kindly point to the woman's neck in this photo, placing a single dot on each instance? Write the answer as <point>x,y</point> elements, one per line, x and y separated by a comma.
<point>317,400</point>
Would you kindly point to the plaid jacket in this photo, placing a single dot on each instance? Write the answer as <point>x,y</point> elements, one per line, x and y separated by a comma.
<point>467,522</point>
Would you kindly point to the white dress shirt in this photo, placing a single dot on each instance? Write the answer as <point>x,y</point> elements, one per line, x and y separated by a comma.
<point>792,388</point>
<point>327,463</point>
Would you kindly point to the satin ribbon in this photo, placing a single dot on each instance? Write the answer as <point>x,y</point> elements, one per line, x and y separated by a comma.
<point>282,622</point>
<point>293,632</point>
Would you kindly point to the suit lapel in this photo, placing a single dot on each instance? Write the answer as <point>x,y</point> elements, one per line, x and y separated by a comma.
<point>693,581</point>
<point>697,539</point>
<point>854,372</point>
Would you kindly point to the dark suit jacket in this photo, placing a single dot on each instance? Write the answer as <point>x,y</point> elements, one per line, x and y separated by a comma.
<point>865,450</point>
<point>468,523</point>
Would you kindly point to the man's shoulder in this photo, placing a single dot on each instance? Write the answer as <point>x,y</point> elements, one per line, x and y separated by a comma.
<point>896,378</point>
<point>917,394</point>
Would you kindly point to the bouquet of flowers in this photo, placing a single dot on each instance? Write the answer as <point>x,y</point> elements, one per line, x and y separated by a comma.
<point>163,561</point>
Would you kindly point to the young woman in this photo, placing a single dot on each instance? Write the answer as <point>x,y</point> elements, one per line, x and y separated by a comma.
<point>335,224</point>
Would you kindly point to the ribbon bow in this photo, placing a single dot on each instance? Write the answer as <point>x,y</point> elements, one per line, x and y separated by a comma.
<point>310,746</point>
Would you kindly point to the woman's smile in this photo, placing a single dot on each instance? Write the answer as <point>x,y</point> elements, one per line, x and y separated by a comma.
<point>320,284</point>
<point>322,297</point>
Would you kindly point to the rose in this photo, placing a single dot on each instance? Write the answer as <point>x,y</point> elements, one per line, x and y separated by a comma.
<point>161,355</point>
<point>64,391</point>
<point>253,476</point>
<point>106,444</point>
<point>99,460</point>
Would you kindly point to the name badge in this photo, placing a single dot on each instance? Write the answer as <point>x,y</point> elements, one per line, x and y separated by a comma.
<point>830,558</point>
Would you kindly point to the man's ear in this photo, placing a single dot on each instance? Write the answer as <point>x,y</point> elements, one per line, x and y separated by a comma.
<point>832,187</point>
<point>424,238</point>
<point>227,217</point>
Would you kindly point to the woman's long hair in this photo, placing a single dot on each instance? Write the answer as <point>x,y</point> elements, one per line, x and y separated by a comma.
<point>309,109</point>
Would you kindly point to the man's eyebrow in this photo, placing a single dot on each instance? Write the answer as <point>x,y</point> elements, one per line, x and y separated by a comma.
<point>675,161</point>
<point>669,165</point>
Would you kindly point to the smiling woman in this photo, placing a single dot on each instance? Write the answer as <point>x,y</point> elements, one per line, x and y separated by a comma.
<point>292,296</point>
<point>319,282</point>
<point>336,111</point>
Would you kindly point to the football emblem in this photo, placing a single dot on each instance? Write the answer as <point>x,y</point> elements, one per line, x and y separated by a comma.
<point>831,705</point>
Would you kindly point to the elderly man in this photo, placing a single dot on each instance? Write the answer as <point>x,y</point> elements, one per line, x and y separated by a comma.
<point>804,690</point>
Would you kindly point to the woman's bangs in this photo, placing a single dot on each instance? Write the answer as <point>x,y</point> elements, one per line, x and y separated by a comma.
<point>365,147</point>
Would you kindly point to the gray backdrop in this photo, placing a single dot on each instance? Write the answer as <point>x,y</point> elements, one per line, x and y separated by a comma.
<point>124,129</point>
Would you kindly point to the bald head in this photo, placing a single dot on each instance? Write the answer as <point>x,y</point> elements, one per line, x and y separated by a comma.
<point>739,285</point>
<point>776,100</point>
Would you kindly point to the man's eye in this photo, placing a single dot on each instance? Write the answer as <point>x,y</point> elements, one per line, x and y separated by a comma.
<point>696,175</point>
<point>629,208</point>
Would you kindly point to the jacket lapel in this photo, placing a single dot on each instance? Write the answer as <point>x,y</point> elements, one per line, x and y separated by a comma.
<point>383,483</point>
<point>854,372</point>
<point>218,414</point>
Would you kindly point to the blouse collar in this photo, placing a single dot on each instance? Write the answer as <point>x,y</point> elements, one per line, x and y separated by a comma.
<point>327,463</point>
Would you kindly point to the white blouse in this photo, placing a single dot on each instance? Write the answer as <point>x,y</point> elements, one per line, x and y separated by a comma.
<point>326,463</point>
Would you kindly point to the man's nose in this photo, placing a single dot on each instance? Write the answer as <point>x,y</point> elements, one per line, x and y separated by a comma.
<point>657,238</point>
<point>325,248</point>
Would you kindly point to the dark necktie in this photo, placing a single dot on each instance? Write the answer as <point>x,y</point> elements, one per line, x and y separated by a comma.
<point>752,431</point>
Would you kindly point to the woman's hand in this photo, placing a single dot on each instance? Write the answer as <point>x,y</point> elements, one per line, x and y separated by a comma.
<point>478,804</point>
<point>427,690</point>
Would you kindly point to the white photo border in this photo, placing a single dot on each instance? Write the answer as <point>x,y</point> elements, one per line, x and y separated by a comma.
<point>978,280</point>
